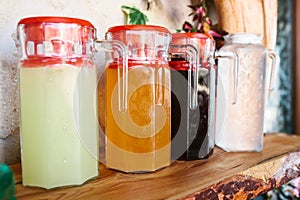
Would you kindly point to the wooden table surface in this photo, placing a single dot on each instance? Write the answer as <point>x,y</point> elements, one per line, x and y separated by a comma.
<point>222,176</point>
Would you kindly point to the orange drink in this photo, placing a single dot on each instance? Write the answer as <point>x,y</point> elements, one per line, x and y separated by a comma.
<point>137,99</point>
<point>139,139</point>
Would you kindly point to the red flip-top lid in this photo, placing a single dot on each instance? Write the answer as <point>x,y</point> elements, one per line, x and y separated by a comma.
<point>39,29</point>
<point>53,19</point>
<point>115,29</point>
<point>68,38</point>
<point>191,35</point>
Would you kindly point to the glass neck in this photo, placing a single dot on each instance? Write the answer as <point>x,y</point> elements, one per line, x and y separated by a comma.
<point>244,38</point>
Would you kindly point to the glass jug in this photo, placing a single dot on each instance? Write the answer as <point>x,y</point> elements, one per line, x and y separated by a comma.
<point>242,69</point>
<point>193,124</point>
<point>137,123</point>
<point>59,127</point>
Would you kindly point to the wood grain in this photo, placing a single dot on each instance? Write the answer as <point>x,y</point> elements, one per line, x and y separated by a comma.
<point>187,180</point>
<point>255,16</point>
<point>254,181</point>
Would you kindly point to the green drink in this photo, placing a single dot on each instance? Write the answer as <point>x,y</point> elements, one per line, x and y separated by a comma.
<point>59,128</point>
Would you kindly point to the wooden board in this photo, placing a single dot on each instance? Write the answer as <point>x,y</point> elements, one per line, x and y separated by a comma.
<point>242,175</point>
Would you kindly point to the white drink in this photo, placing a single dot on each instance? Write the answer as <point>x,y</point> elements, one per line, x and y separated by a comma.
<point>59,128</point>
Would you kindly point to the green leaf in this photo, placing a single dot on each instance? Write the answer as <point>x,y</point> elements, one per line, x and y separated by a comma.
<point>135,15</point>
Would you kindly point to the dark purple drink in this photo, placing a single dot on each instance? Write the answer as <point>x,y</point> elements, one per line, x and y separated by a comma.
<point>191,129</point>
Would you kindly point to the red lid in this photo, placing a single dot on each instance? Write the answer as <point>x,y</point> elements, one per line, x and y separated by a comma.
<point>53,19</point>
<point>191,35</point>
<point>137,27</point>
<point>48,37</point>
<point>39,29</point>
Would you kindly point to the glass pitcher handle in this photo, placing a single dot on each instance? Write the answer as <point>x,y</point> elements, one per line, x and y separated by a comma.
<point>232,56</point>
<point>18,51</point>
<point>121,56</point>
<point>275,60</point>
<point>194,63</point>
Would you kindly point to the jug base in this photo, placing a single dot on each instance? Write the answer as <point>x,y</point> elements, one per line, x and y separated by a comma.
<point>234,149</point>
